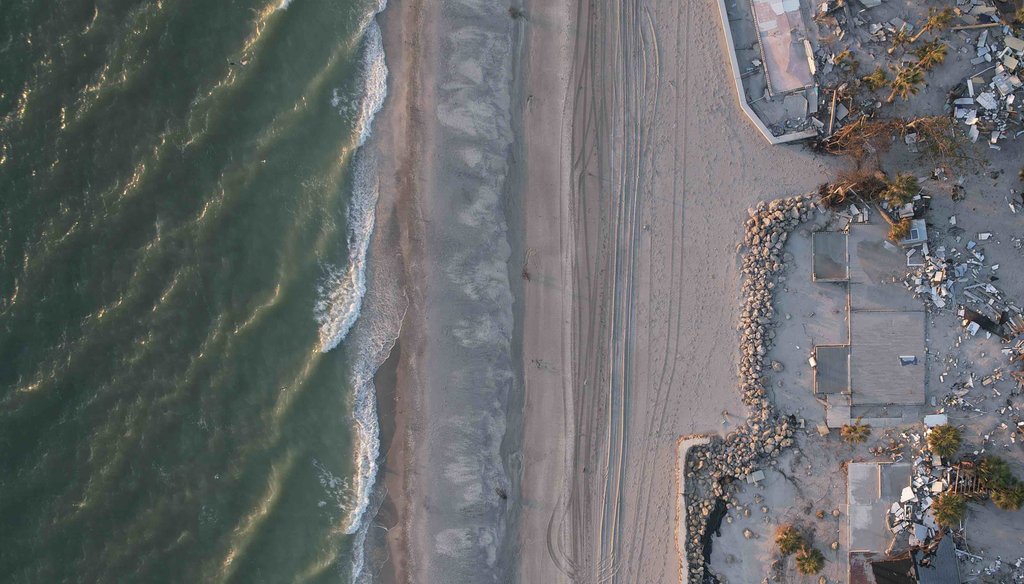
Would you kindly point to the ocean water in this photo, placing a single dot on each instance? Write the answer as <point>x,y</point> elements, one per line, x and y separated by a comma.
<point>187,342</point>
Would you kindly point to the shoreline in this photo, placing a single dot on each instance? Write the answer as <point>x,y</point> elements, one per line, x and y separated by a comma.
<point>397,229</point>
<point>382,566</point>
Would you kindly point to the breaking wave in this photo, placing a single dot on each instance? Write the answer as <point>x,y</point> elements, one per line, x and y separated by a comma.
<point>341,293</point>
<point>372,340</point>
<point>376,337</point>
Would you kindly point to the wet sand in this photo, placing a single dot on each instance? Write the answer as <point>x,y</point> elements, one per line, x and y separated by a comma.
<point>445,140</point>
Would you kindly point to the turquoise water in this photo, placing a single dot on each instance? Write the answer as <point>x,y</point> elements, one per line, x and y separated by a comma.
<point>183,224</point>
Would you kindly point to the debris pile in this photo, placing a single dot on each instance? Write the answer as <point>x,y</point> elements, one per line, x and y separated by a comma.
<point>942,277</point>
<point>977,12</point>
<point>846,35</point>
<point>1015,352</point>
<point>912,516</point>
<point>959,398</point>
<point>934,276</point>
<point>988,102</point>
<point>1008,572</point>
<point>893,449</point>
<point>714,470</point>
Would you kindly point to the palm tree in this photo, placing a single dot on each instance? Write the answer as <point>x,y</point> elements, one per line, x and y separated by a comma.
<point>788,539</point>
<point>930,54</point>
<point>1010,498</point>
<point>877,80</point>
<point>899,39</point>
<point>995,473</point>
<point>944,440</point>
<point>856,432</point>
<point>901,190</point>
<point>899,230</point>
<point>809,560</point>
<point>905,83</point>
<point>950,509</point>
<point>937,19</point>
<point>1005,490</point>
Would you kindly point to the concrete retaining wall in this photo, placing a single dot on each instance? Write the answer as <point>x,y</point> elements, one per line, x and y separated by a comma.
<point>741,96</point>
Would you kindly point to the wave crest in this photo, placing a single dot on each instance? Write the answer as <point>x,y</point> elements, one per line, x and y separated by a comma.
<point>340,294</point>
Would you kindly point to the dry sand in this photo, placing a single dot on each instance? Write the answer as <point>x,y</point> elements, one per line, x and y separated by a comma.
<point>663,167</point>
<point>658,140</point>
<point>601,145</point>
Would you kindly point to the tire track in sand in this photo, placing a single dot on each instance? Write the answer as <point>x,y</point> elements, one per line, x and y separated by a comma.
<point>611,145</point>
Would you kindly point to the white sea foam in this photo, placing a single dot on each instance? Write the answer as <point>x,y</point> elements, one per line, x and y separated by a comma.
<point>373,339</point>
<point>284,4</point>
<point>367,430</point>
<point>341,293</point>
<point>367,451</point>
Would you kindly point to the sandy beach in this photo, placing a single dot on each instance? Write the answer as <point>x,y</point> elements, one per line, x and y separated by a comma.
<point>663,168</point>
<point>568,200</point>
<point>445,140</point>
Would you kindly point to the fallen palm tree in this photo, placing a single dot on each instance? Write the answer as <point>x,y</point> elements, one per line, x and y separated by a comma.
<point>862,137</point>
<point>867,136</point>
<point>939,138</point>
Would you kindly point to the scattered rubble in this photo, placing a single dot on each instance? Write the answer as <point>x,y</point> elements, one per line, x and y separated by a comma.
<point>861,49</point>
<point>986,101</point>
<point>948,276</point>
<point>959,277</point>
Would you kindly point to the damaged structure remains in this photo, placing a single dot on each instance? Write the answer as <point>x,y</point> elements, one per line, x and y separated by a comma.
<point>878,372</point>
<point>793,64</point>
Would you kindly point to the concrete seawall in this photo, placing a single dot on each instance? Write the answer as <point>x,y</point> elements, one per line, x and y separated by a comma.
<point>730,50</point>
